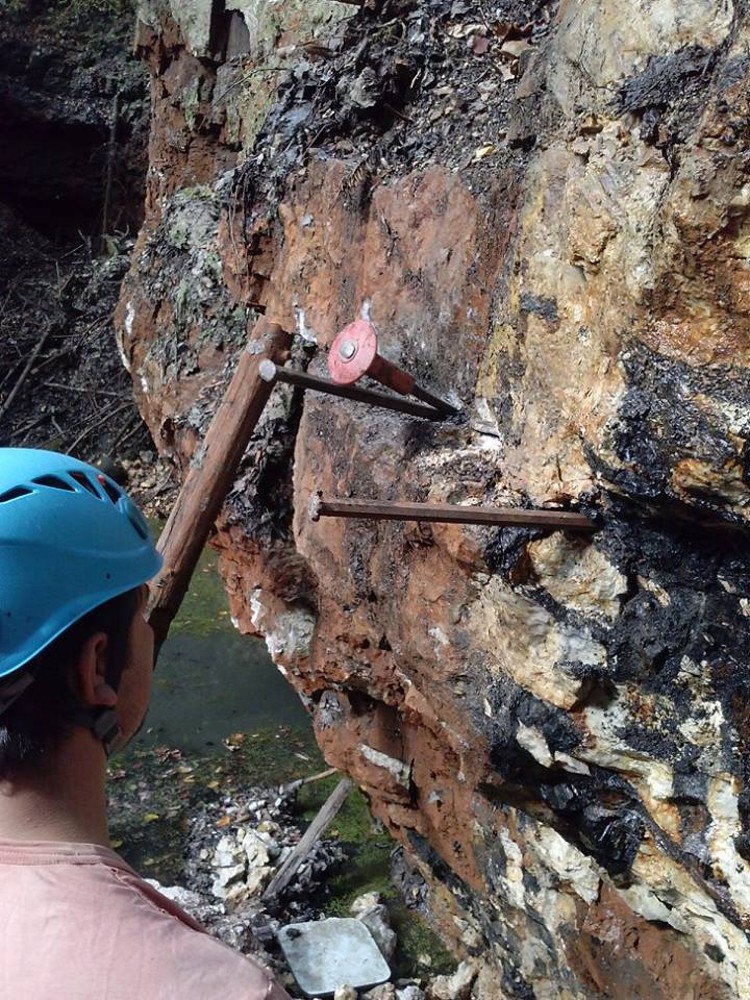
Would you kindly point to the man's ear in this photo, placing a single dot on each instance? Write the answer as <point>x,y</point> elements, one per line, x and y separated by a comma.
<point>91,672</point>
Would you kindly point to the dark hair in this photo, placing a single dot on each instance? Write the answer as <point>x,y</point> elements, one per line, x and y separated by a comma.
<point>45,713</point>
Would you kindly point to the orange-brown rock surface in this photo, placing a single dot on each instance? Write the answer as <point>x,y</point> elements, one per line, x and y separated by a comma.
<point>544,209</point>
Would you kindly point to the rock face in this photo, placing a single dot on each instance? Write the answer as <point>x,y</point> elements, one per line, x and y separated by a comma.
<point>545,209</point>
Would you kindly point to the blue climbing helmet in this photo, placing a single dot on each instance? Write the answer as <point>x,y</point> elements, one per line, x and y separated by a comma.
<point>70,539</point>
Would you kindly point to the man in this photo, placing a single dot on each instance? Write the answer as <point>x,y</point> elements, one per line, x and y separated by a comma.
<point>76,658</point>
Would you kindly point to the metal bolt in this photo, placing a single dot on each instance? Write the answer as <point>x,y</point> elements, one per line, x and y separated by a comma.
<point>347,349</point>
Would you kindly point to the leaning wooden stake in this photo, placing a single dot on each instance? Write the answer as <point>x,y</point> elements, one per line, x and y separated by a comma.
<point>211,474</point>
<point>309,838</point>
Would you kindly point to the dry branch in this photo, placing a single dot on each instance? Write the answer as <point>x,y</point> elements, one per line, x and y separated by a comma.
<point>299,782</point>
<point>24,374</point>
<point>96,424</point>
<point>309,838</point>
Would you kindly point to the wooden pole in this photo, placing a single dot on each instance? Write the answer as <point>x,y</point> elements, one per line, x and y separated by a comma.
<point>212,472</point>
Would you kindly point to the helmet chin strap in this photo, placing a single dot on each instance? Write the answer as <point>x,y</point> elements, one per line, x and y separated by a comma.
<point>11,691</point>
<point>103,723</point>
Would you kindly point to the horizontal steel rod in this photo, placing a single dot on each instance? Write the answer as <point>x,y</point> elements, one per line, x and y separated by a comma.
<point>270,372</point>
<point>450,513</point>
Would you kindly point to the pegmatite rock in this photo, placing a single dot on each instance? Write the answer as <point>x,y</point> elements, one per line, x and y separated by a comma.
<point>553,725</point>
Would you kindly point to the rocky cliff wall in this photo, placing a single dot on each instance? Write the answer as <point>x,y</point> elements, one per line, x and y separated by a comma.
<point>545,209</point>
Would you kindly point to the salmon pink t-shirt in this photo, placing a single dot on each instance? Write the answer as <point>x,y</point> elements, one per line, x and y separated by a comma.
<point>77,923</point>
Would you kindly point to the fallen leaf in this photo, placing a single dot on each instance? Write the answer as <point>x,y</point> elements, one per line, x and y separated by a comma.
<point>151,817</point>
<point>224,821</point>
<point>515,48</point>
<point>482,151</point>
<point>479,45</point>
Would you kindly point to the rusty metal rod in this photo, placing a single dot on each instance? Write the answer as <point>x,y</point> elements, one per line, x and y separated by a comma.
<point>270,372</point>
<point>449,513</point>
<point>440,404</point>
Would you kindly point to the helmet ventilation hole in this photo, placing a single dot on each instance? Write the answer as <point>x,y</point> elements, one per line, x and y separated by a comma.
<point>83,480</point>
<point>112,492</point>
<point>54,483</point>
<point>14,494</point>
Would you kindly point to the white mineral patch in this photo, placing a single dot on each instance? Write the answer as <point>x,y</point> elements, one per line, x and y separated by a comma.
<point>522,639</point>
<point>484,421</point>
<point>571,764</point>
<point>569,864</point>
<point>725,826</point>
<point>436,633</point>
<point>397,768</point>
<point>288,634</point>
<point>653,588</point>
<point>533,740</point>
<point>577,575</point>
<point>305,332</point>
<point>605,748</point>
<point>292,634</point>
<point>703,729</point>
<point>513,878</point>
<point>690,906</point>
<point>646,903</point>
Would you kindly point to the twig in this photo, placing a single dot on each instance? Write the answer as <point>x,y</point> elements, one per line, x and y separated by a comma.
<point>92,427</point>
<point>10,373</point>
<point>294,785</point>
<point>137,426</point>
<point>24,374</point>
<point>81,388</point>
<point>288,789</point>
<point>30,427</point>
<point>309,838</point>
<point>111,156</point>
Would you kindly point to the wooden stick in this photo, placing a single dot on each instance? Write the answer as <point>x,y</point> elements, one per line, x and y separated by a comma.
<point>309,838</point>
<point>299,782</point>
<point>212,472</point>
<point>22,378</point>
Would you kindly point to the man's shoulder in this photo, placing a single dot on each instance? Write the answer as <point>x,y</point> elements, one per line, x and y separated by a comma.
<point>178,948</point>
<point>125,924</point>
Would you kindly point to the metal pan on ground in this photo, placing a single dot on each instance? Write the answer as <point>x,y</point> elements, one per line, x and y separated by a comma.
<point>326,954</point>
